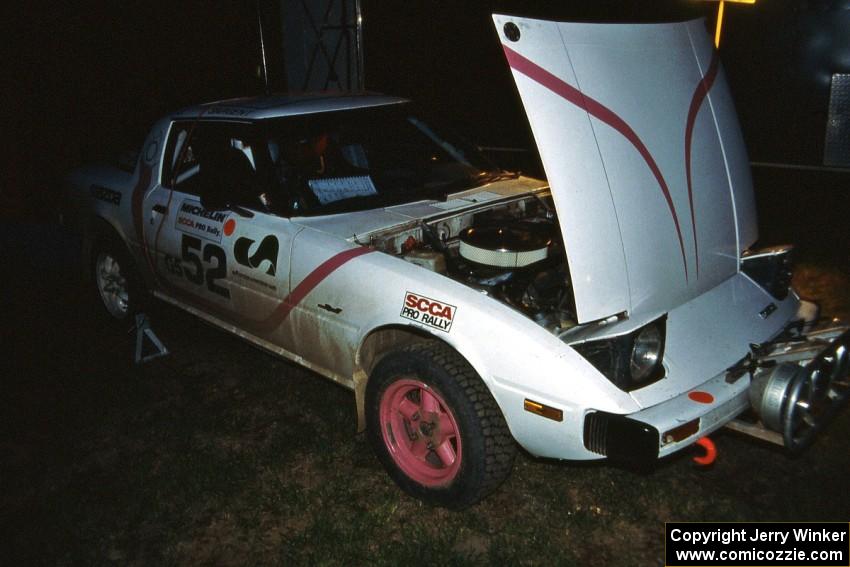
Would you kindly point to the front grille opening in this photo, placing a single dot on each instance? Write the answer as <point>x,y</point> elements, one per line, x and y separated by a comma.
<point>596,433</point>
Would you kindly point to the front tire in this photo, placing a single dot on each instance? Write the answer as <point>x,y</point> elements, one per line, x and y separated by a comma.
<point>435,426</point>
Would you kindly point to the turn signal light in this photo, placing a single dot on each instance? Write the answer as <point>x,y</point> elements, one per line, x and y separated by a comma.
<point>543,410</point>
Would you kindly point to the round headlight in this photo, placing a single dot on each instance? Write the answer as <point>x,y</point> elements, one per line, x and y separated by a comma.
<point>646,352</point>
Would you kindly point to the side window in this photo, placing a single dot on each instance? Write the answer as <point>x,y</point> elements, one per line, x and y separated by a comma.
<point>180,170</point>
<point>216,161</point>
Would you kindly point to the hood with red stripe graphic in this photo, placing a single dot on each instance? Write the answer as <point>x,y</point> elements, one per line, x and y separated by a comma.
<point>642,148</point>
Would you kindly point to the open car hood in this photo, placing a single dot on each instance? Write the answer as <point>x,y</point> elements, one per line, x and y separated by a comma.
<point>640,142</point>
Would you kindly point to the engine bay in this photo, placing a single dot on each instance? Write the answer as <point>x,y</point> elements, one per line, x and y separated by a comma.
<point>511,251</point>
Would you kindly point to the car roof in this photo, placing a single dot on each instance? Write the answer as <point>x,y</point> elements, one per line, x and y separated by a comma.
<point>281,105</point>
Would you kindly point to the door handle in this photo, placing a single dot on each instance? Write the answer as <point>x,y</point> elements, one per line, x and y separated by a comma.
<point>161,209</point>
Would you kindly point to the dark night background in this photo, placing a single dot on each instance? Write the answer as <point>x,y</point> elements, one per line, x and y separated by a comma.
<point>87,79</point>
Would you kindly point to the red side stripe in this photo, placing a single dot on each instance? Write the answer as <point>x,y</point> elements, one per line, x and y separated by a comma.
<point>284,308</point>
<point>313,279</point>
<point>603,113</point>
<point>696,102</point>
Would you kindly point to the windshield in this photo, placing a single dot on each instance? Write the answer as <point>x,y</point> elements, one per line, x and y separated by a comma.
<point>366,158</point>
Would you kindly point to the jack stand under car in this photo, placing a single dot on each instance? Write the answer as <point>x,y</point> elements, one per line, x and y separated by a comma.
<point>144,331</point>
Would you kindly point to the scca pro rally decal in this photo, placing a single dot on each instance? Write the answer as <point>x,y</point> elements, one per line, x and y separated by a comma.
<point>428,311</point>
<point>193,219</point>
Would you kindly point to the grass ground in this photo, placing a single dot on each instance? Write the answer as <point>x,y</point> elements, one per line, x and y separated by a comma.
<point>219,454</point>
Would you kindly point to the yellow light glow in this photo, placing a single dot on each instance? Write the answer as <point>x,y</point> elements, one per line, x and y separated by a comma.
<point>720,7</point>
<point>719,24</point>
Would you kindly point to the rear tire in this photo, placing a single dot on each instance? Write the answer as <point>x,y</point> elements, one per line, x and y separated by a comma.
<point>435,426</point>
<point>117,285</point>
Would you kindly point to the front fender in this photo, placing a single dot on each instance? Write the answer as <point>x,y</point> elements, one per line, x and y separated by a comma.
<point>516,358</point>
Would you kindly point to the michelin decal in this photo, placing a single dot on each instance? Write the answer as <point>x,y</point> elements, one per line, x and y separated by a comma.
<point>193,219</point>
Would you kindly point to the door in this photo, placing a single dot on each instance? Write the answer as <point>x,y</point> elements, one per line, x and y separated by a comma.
<point>213,245</point>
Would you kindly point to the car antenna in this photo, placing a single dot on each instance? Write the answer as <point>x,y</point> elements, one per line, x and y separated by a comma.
<point>263,48</point>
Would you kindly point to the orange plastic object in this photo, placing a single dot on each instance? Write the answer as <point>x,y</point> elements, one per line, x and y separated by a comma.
<point>710,452</point>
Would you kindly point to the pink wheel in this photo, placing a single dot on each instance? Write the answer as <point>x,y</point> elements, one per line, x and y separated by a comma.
<point>435,426</point>
<point>420,432</point>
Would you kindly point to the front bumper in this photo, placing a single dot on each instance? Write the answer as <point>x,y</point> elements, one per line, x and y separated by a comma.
<point>653,432</point>
<point>813,367</point>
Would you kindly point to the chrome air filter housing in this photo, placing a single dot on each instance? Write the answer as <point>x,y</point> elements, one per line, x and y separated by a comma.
<point>514,246</point>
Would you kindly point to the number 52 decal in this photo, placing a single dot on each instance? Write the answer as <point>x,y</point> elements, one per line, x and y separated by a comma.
<point>196,273</point>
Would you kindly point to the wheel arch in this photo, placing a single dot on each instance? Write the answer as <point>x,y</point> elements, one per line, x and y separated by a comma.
<point>382,340</point>
<point>98,227</point>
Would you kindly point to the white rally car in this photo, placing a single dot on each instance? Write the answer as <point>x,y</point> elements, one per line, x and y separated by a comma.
<point>617,310</point>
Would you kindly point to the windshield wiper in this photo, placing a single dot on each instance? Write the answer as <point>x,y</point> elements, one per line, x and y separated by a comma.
<point>356,201</point>
<point>442,192</point>
<point>492,176</point>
